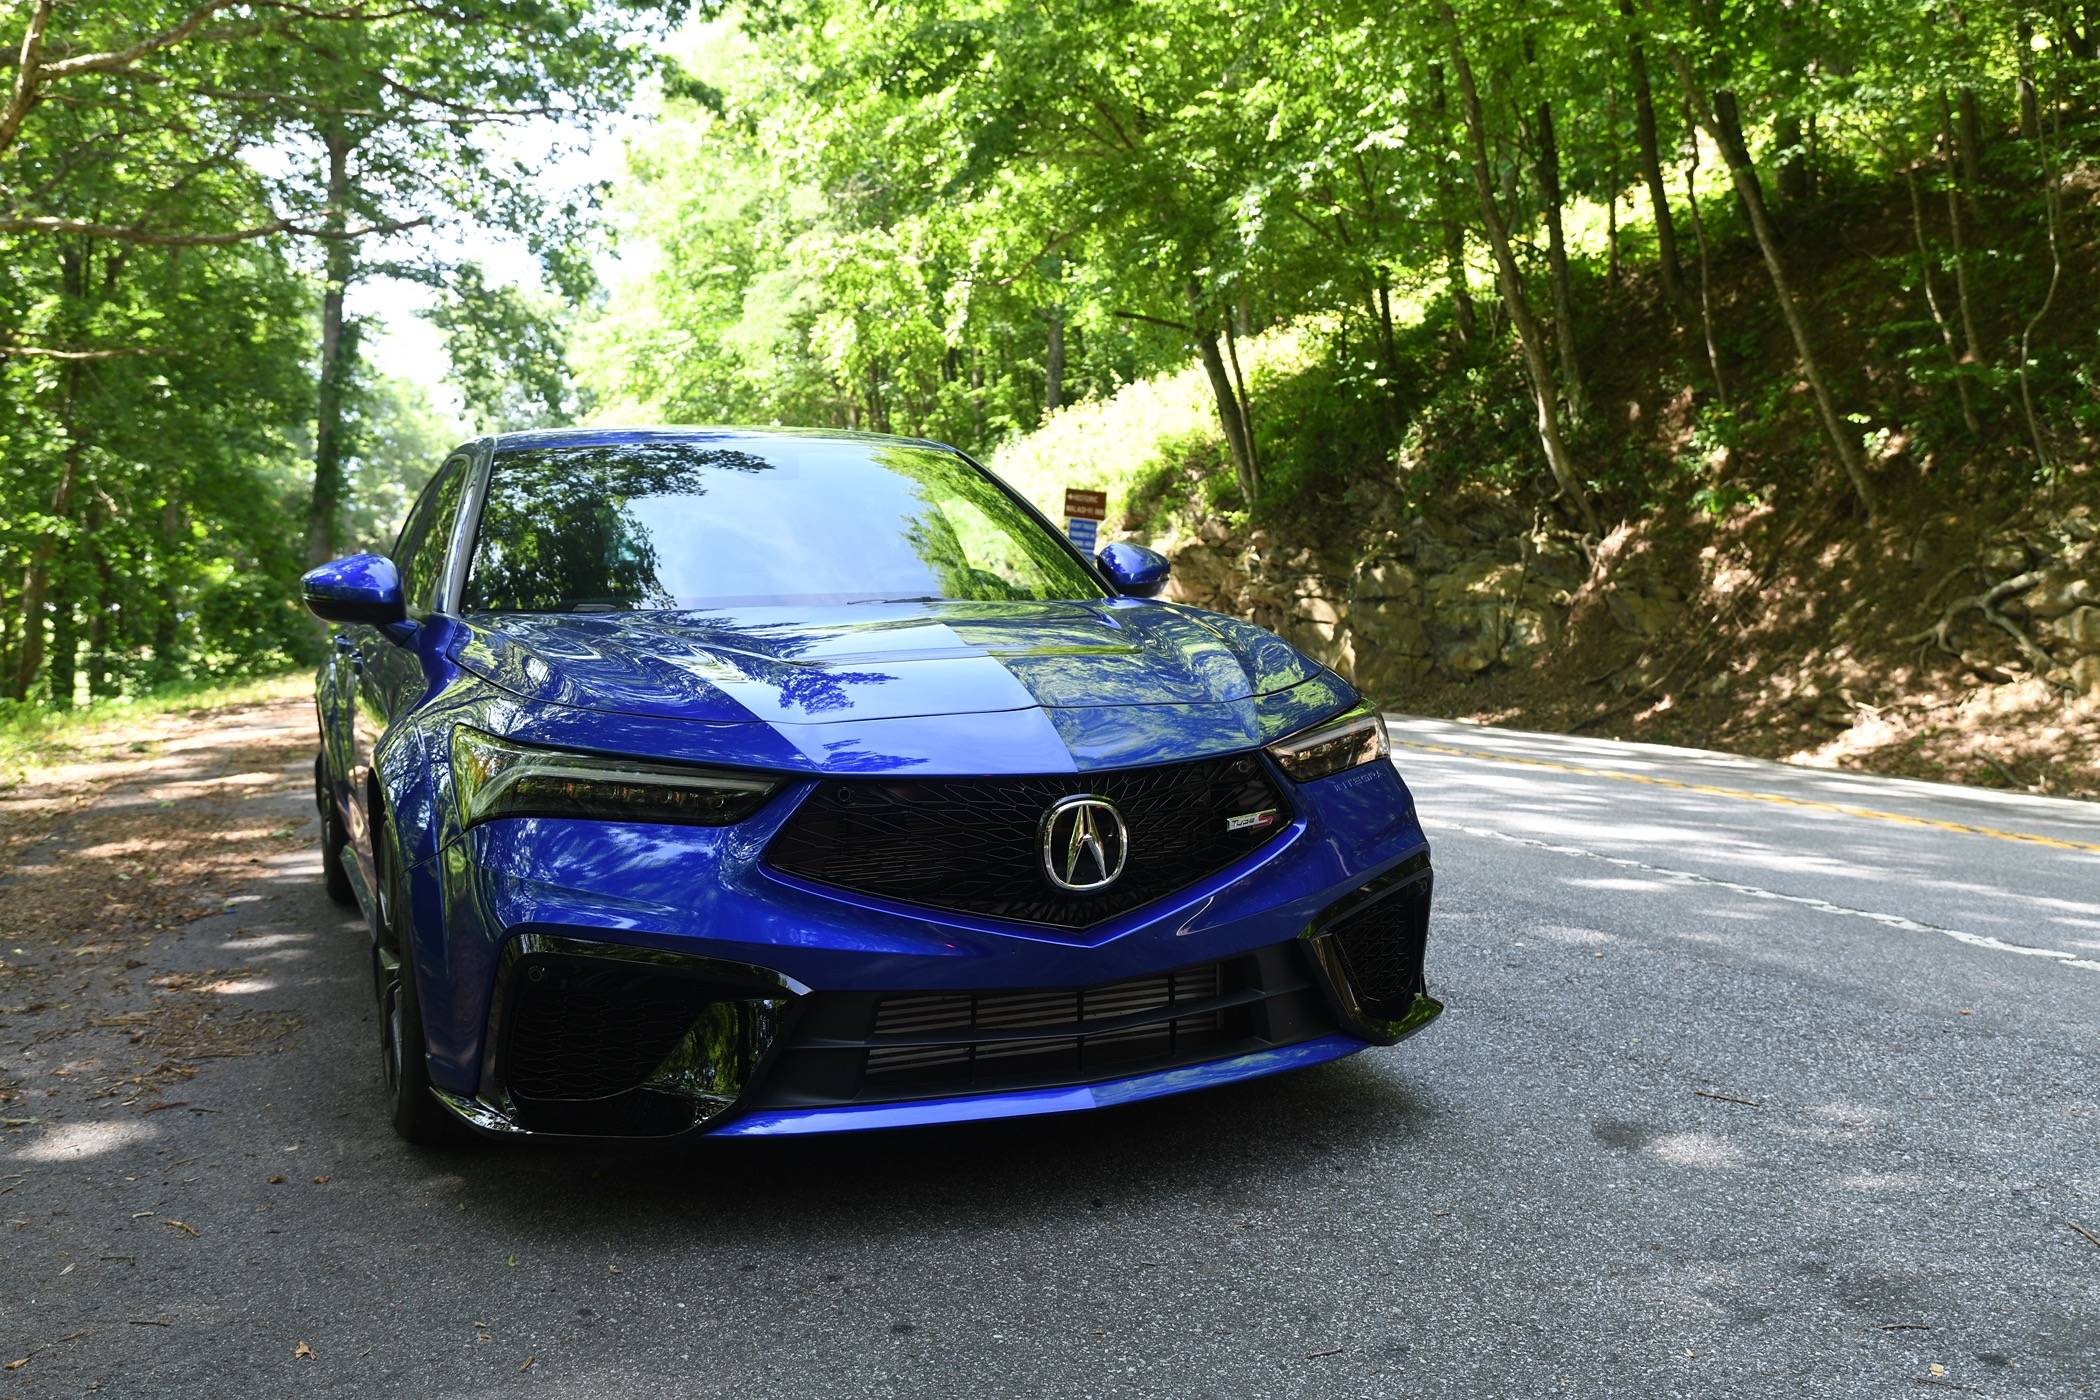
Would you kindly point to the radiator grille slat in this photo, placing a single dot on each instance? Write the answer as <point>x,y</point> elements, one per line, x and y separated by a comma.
<point>1070,1014</point>
<point>904,1046</point>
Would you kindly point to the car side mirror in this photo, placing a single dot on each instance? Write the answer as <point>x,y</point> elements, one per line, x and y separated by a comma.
<point>362,588</point>
<point>1134,570</point>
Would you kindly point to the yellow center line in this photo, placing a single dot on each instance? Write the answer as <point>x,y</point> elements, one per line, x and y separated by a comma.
<point>1745,795</point>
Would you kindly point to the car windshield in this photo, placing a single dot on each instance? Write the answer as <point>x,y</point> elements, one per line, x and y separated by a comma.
<point>696,524</point>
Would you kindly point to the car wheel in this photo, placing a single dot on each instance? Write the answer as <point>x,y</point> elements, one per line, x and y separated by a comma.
<point>416,1113</point>
<point>334,875</point>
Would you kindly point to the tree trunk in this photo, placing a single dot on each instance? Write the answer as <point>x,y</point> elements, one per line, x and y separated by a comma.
<point>1793,158</point>
<point>2052,214</point>
<point>1243,403</point>
<point>1706,302</point>
<point>2030,101</point>
<point>64,676</point>
<point>326,505</point>
<point>1463,320</point>
<point>1795,183</point>
<point>1971,140</point>
<point>1611,184</point>
<point>167,616</point>
<point>1652,171</point>
<point>1972,346</point>
<point>1727,128</point>
<point>1530,339</point>
<point>1932,303</point>
<point>1229,419</point>
<point>1548,171</point>
<point>105,602</point>
<point>1750,193</point>
<point>1378,307</point>
<point>1387,346</point>
<point>1054,360</point>
<point>36,578</point>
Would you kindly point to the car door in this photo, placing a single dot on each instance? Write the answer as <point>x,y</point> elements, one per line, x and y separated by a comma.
<point>385,677</point>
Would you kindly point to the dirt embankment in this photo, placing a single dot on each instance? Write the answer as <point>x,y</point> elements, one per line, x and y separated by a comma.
<point>1962,647</point>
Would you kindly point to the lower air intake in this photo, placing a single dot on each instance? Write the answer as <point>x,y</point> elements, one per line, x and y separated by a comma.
<point>1383,940</point>
<point>887,1047</point>
<point>626,1044</point>
<point>1096,1027</point>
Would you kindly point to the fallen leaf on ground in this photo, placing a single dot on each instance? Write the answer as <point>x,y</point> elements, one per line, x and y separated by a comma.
<point>1937,1369</point>
<point>302,1351</point>
<point>277,1180</point>
<point>323,1180</point>
<point>18,1363</point>
<point>182,1225</point>
<point>526,1365</point>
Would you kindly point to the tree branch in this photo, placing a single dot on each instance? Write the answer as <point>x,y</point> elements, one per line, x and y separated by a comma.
<point>1056,242</point>
<point>1184,327</point>
<point>124,58</point>
<point>45,352</point>
<point>161,238</point>
<point>24,95</point>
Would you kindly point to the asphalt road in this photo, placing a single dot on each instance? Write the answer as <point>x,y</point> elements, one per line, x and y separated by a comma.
<point>1754,1081</point>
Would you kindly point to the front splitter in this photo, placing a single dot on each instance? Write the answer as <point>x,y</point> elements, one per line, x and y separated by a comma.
<point>1027,1103</point>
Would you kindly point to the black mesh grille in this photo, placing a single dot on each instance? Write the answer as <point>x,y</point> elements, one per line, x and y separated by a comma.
<point>874,1047</point>
<point>1382,943</point>
<point>587,1031</point>
<point>974,844</point>
<point>1093,1028</point>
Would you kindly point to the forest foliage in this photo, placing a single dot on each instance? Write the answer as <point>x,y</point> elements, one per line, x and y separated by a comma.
<point>190,190</point>
<point>956,219</point>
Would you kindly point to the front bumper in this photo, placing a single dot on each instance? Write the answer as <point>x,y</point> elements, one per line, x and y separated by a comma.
<point>591,980</point>
<point>608,1040</point>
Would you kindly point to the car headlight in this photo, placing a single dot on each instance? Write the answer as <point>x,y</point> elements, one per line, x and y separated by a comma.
<point>1328,748</point>
<point>493,778</point>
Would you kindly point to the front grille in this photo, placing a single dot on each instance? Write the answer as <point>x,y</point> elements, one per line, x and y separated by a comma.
<point>884,1047</point>
<point>974,845</point>
<point>1383,940</point>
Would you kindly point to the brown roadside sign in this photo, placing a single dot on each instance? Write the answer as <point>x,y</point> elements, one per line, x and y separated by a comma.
<point>1085,505</point>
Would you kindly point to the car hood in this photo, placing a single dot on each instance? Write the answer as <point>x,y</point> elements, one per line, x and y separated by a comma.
<point>879,661</point>
<point>935,687</point>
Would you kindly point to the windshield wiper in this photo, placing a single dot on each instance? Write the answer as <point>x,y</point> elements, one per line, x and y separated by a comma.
<point>923,598</point>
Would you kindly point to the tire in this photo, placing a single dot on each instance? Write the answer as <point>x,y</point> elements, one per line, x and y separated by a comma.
<point>334,875</point>
<point>416,1114</point>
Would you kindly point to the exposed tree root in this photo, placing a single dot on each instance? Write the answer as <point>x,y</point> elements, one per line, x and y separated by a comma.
<point>1986,603</point>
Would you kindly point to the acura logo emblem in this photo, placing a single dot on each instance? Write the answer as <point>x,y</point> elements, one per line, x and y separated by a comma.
<point>1084,843</point>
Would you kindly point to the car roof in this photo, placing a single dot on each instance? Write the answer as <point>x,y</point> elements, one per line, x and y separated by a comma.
<point>609,437</point>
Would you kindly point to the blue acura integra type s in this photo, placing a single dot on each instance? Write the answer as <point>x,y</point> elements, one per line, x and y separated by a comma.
<point>735,782</point>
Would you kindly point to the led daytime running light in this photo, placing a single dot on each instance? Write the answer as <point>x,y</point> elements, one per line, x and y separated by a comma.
<point>493,778</point>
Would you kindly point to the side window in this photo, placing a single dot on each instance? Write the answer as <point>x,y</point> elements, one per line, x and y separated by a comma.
<point>420,551</point>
